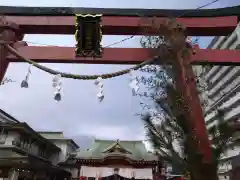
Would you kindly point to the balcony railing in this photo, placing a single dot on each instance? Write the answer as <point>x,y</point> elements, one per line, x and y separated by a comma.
<point>33,149</point>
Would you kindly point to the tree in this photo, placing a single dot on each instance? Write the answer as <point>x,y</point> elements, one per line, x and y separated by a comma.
<point>167,128</point>
<point>5,81</point>
<point>168,133</point>
<point>168,139</point>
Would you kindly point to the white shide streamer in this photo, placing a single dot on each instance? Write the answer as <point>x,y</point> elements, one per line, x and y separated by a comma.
<point>99,84</point>
<point>57,84</point>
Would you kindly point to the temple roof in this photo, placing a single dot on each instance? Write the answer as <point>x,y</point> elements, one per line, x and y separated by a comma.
<point>57,136</point>
<point>7,118</point>
<point>134,150</point>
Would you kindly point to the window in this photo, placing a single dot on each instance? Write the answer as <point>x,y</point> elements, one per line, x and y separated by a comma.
<point>3,136</point>
<point>30,147</point>
<point>21,142</point>
<point>25,145</point>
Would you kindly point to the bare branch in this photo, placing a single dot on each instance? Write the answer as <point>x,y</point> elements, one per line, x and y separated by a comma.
<point>6,80</point>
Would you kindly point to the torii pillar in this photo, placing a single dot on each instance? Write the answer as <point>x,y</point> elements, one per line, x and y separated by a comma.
<point>9,34</point>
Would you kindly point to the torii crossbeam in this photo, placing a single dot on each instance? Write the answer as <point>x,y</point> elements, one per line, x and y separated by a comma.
<point>207,22</point>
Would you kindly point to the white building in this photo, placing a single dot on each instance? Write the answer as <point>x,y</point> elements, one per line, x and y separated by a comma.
<point>224,92</point>
<point>25,153</point>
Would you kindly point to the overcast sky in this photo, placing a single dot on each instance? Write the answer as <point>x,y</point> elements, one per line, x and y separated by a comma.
<point>79,113</point>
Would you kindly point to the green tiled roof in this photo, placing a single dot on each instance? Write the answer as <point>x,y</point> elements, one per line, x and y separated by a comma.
<point>134,150</point>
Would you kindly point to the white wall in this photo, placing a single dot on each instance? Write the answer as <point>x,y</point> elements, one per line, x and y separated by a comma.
<point>66,148</point>
<point>63,147</point>
<point>73,171</point>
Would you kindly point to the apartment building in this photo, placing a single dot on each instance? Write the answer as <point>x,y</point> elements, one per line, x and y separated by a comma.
<point>223,93</point>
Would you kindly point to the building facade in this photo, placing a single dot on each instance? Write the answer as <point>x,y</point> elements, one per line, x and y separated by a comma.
<point>107,159</point>
<point>223,94</point>
<point>27,154</point>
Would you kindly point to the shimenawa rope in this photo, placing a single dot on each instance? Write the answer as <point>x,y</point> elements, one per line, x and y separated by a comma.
<point>75,76</point>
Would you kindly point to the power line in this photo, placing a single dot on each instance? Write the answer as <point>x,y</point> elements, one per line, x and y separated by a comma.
<point>208,4</point>
<point>41,44</point>
<point>200,7</point>
<point>118,42</point>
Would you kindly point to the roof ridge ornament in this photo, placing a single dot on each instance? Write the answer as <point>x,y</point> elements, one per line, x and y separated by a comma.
<point>116,147</point>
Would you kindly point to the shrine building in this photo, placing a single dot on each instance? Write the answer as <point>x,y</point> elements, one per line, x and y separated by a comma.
<point>28,154</point>
<point>108,158</point>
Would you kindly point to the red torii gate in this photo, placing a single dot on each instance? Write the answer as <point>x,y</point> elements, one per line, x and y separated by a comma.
<point>35,20</point>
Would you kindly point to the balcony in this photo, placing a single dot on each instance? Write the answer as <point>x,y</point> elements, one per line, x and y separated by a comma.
<point>32,148</point>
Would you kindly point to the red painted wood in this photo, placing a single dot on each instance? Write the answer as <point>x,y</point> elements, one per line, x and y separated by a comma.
<point>7,33</point>
<point>113,25</point>
<point>186,86</point>
<point>3,63</point>
<point>120,56</point>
